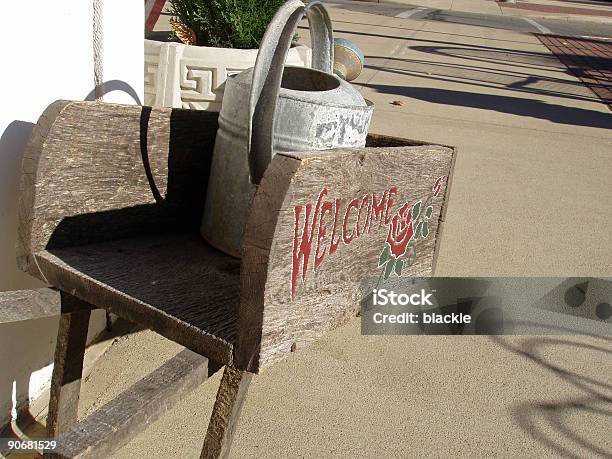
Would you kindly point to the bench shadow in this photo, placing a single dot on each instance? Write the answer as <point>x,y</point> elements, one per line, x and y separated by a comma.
<point>177,207</point>
<point>26,425</point>
<point>114,85</point>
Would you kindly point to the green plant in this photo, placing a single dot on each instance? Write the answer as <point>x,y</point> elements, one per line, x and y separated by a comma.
<point>226,23</point>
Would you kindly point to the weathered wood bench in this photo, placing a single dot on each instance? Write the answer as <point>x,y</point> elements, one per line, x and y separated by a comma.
<point>111,202</point>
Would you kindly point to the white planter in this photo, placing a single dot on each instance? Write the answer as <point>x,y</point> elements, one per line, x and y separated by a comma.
<point>184,76</point>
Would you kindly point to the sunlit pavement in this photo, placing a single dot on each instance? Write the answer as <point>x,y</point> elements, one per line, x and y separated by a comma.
<point>543,16</point>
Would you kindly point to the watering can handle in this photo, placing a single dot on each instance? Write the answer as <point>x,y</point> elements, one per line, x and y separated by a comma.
<point>268,72</point>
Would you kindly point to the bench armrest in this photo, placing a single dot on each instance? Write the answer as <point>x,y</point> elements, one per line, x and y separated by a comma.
<point>319,223</point>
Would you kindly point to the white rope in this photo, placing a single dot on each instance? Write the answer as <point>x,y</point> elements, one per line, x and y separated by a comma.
<point>98,49</point>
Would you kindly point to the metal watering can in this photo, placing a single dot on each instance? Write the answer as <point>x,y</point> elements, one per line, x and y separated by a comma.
<point>289,109</point>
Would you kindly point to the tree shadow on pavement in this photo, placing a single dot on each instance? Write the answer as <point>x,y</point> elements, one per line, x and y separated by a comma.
<point>428,32</point>
<point>504,104</point>
<point>490,55</point>
<point>483,20</point>
<point>513,80</point>
<point>548,422</point>
<point>481,53</point>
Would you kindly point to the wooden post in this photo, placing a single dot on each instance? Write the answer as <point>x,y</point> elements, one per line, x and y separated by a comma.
<point>68,364</point>
<point>226,412</point>
<point>113,425</point>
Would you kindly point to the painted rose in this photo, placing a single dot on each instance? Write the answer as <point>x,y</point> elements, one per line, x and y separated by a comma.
<point>400,231</point>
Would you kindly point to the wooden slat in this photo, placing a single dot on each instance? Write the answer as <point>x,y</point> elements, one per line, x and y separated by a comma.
<point>116,423</point>
<point>444,209</point>
<point>20,305</point>
<point>226,413</point>
<point>96,171</point>
<point>378,140</point>
<point>272,321</point>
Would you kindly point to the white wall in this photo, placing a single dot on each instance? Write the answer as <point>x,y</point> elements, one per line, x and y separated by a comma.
<point>47,54</point>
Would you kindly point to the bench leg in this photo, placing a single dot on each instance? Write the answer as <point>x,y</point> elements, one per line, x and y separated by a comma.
<point>224,418</point>
<point>68,365</point>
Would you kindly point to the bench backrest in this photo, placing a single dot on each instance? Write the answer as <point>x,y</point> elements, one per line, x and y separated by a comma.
<point>131,169</point>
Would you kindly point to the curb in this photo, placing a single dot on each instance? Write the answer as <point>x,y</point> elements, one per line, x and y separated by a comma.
<point>591,19</point>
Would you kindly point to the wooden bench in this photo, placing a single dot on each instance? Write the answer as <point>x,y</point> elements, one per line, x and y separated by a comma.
<point>111,202</point>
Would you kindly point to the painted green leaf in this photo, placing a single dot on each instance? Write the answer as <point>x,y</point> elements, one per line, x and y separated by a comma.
<point>416,209</point>
<point>399,265</point>
<point>417,231</point>
<point>389,268</point>
<point>384,256</point>
<point>425,229</point>
<point>429,211</point>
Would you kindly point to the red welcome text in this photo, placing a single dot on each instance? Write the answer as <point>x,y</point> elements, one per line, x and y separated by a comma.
<point>333,227</point>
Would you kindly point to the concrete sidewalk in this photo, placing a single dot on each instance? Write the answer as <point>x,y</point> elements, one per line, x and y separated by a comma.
<point>531,196</point>
<point>533,141</point>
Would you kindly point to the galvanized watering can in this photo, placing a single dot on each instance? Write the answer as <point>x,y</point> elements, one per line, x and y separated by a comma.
<point>271,108</point>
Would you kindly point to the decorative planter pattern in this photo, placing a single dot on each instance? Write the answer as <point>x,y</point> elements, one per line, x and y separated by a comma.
<point>184,76</point>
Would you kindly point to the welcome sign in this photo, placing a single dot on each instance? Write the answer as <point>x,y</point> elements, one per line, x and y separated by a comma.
<point>405,225</point>
<point>342,216</point>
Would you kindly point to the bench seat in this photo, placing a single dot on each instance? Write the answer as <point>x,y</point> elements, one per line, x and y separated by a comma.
<point>175,284</point>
